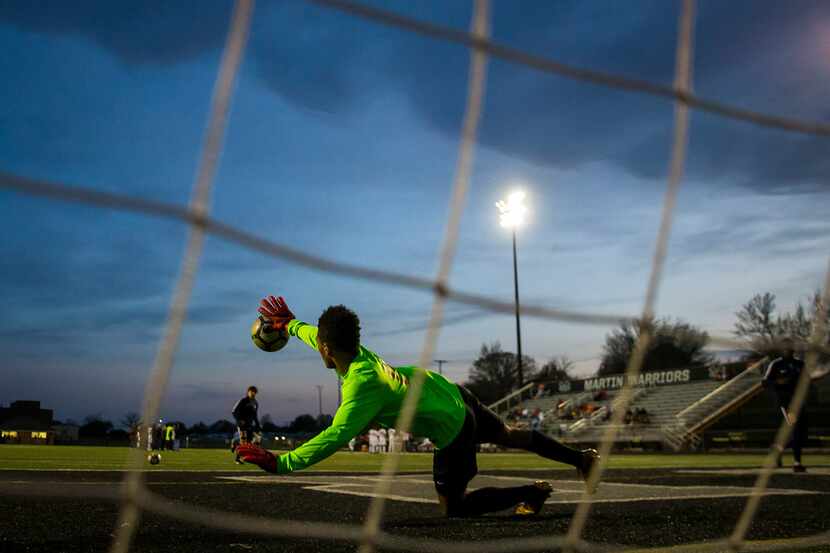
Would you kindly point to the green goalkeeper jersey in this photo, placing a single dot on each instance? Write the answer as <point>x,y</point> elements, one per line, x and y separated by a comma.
<point>373,391</point>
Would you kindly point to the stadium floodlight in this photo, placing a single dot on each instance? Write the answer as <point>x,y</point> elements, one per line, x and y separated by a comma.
<point>512,211</point>
<point>512,215</point>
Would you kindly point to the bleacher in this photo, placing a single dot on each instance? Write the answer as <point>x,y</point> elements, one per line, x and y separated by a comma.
<point>674,406</point>
<point>547,404</point>
<point>686,427</point>
<point>661,405</point>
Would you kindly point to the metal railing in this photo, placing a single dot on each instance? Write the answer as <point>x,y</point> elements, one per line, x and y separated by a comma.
<point>690,422</point>
<point>509,397</point>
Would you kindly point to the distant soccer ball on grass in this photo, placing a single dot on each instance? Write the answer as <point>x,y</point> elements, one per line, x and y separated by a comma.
<point>266,337</point>
<point>154,458</point>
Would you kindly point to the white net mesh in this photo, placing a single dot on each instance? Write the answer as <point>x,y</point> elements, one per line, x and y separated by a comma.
<point>135,496</point>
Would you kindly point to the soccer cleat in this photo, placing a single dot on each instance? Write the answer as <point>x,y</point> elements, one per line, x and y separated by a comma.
<point>533,506</point>
<point>799,468</point>
<point>589,457</point>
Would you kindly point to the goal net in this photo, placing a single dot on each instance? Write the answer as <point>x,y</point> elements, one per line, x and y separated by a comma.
<point>136,497</point>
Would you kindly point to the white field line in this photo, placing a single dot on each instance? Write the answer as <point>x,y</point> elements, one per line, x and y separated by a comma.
<point>821,471</point>
<point>623,484</point>
<point>337,488</point>
<point>347,488</point>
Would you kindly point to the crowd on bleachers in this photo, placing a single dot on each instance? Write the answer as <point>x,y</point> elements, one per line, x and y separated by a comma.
<point>579,410</point>
<point>573,410</point>
<point>527,417</point>
<point>568,408</point>
<point>637,416</point>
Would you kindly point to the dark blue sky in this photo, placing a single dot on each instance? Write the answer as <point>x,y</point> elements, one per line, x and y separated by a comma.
<point>342,141</point>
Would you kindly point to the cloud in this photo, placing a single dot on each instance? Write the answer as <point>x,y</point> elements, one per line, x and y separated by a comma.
<point>421,325</point>
<point>771,237</point>
<point>155,32</point>
<point>560,123</point>
<point>322,60</point>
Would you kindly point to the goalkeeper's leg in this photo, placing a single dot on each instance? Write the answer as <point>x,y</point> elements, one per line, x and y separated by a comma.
<point>529,498</point>
<point>455,465</point>
<point>491,429</point>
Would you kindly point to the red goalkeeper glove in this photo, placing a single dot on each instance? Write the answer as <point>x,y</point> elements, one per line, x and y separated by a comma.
<point>251,453</point>
<point>276,311</point>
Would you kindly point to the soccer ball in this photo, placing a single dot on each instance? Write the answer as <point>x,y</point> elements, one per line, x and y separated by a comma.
<point>154,458</point>
<point>266,338</point>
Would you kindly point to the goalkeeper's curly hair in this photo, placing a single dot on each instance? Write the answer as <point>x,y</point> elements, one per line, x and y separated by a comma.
<point>339,327</point>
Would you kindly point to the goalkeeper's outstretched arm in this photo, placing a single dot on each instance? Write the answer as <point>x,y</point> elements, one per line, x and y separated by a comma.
<point>362,400</point>
<point>305,332</point>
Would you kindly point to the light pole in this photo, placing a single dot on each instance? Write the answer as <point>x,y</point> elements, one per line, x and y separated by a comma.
<point>511,215</point>
<point>339,392</point>
<point>440,363</point>
<point>319,399</point>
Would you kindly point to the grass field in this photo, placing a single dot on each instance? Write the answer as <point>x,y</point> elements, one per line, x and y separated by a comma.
<point>65,498</point>
<point>23,457</point>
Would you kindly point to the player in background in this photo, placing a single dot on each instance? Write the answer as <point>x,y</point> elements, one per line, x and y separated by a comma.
<point>393,443</point>
<point>246,414</point>
<point>169,436</point>
<point>782,377</point>
<point>373,440</point>
<point>449,414</point>
<point>382,441</point>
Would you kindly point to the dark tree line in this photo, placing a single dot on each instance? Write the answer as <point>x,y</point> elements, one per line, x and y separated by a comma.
<point>494,373</point>
<point>673,344</point>
<point>95,426</point>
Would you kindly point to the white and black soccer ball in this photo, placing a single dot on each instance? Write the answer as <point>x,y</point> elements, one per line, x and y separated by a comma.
<point>266,337</point>
<point>154,458</point>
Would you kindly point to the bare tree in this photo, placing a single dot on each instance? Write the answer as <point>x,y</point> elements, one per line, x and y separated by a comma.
<point>131,421</point>
<point>756,320</point>
<point>758,323</point>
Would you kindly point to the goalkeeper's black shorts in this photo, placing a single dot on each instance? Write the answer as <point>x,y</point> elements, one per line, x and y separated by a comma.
<point>455,465</point>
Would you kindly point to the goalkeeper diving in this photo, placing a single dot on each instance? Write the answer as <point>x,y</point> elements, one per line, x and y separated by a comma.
<point>448,414</point>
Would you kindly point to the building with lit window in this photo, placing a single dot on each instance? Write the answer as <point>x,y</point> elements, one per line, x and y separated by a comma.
<point>24,422</point>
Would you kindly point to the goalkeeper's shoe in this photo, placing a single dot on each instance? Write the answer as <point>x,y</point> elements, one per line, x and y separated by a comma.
<point>589,458</point>
<point>540,492</point>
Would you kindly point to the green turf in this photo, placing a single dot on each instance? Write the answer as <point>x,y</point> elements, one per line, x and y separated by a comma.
<point>21,457</point>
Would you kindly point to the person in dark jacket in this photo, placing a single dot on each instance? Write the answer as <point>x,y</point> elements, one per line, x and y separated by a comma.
<point>158,436</point>
<point>245,412</point>
<point>782,377</point>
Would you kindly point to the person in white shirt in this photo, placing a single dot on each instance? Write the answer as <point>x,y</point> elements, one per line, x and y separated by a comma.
<point>393,442</point>
<point>382,442</point>
<point>373,440</point>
